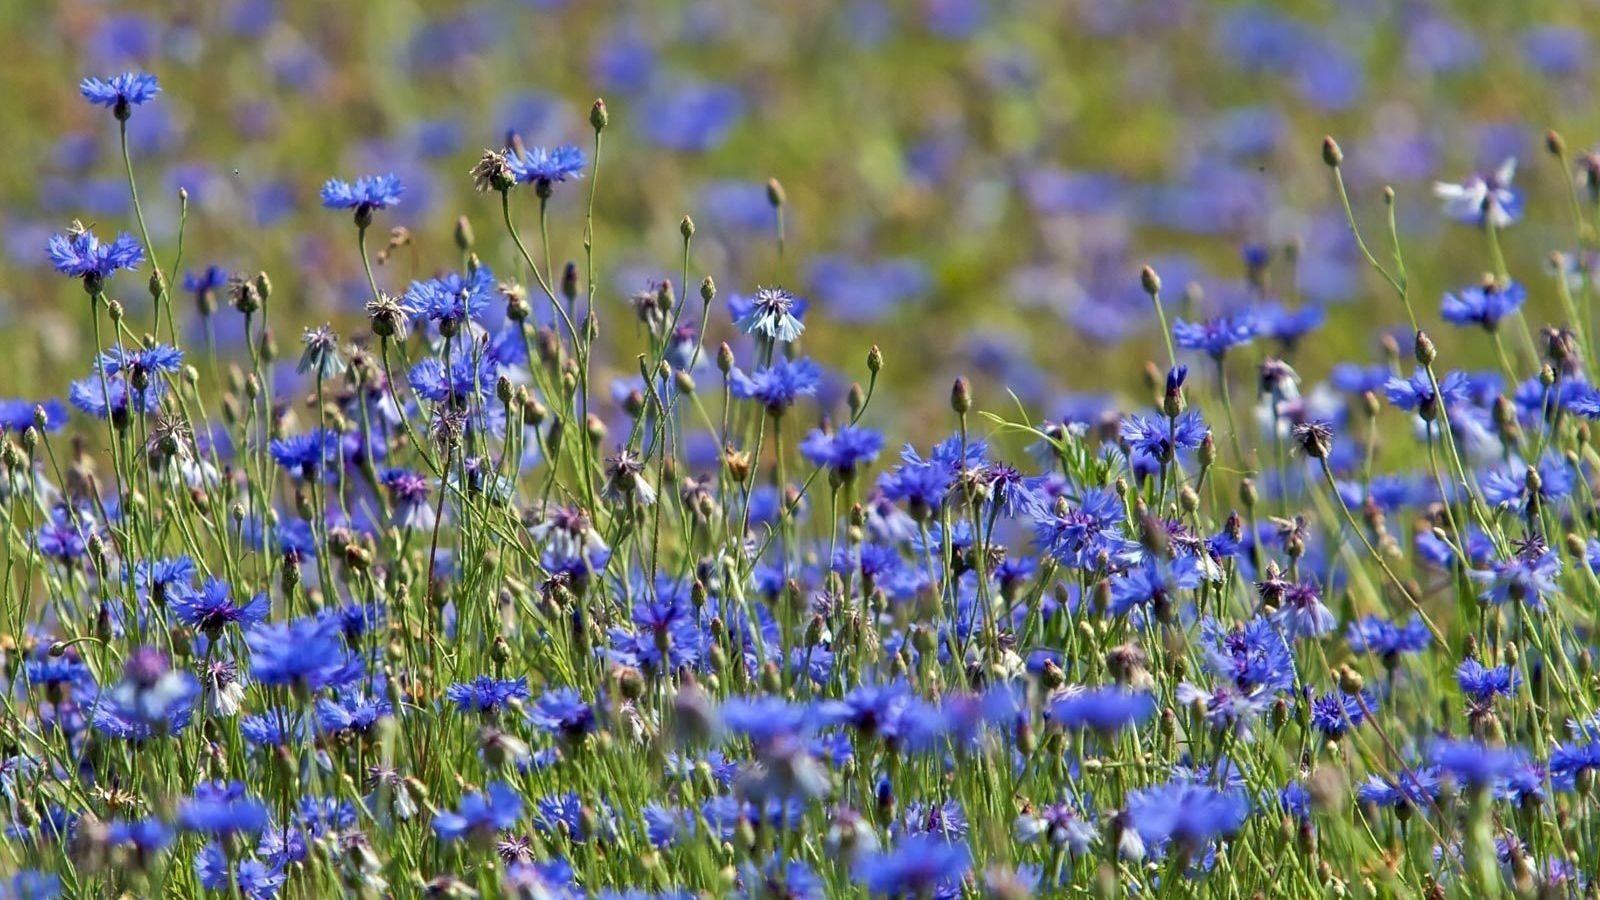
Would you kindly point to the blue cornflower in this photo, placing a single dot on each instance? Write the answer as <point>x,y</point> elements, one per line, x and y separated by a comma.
<point>1567,760</point>
<point>546,167</point>
<point>1486,199</point>
<point>30,884</point>
<point>1336,713</point>
<point>1161,439</point>
<point>563,713</point>
<point>1506,487</point>
<point>304,455</point>
<point>1185,813</point>
<point>1528,577</point>
<point>917,866</point>
<point>486,695</point>
<point>1416,392</point>
<point>113,397</point>
<point>496,809</point>
<point>790,881</point>
<point>409,492</point>
<point>764,719</point>
<point>120,93</point>
<point>779,384</point>
<point>1473,765</point>
<point>1386,639</point>
<point>79,254</point>
<point>1416,787</point>
<point>1058,825</point>
<point>211,609</point>
<point>773,313</point>
<point>452,299</point>
<point>1483,304</point>
<point>1216,336</point>
<point>19,415</point>
<point>1288,326</point>
<point>255,879</point>
<point>1302,613</point>
<point>306,654</point>
<point>140,366</point>
<point>206,285</point>
<point>842,450</point>
<point>1104,710</point>
<point>145,837</point>
<point>457,385</point>
<point>364,195</point>
<point>1482,683</point>
<point>1252,655</point>
<point>65,536</point>
<point>1076,535</point>
<point>1155,584</point>
<point>872,710</point>
<point>350,710</point>
<point>221,809</point>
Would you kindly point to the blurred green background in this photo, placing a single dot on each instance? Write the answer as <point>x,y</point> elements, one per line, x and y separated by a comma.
<point>973,185</point>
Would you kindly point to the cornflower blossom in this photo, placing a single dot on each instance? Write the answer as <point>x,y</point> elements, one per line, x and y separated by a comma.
<point>120,93</point>
<point>1483,199</point>
<point>1483,304</point>
<point>544,167</point>
<point>79,254</point>
<point>779,385</point>
<point>1162,439</point>
<point>1216,336</point>
<point>364,195</point>
<point>772,313</point>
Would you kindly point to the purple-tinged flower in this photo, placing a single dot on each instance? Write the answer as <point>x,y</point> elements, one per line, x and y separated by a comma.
<point>120,93</point>
<point>1485,199</point>
<point>305,654</point>
<point>1482,683</point>
<point>480,815</point>
<point>1337,713</point>
<point>364,195</point>
<point>1058,825</point>
<point>1184,813</point>
<point>917,866</point>
<point>210,609</point>
<point>778,385</point>
<point>408,491</point>
<point>1473,765</point>
<point>1527,577</point>
<point>1288,326</point>
<point>486,695</point>
<point>1161,439</point>
<point>773,313</point>
<point>79,254</point>
<point>1417,393</point>
<point>1103,710</point>
<point>1154,584</point>
<point>304,455</point>
<point>1216,336</point>
<point>1386,639</point>
<point>563,713</point>
<point>254,879</point>
<point>545,167</point>
<point>221,809</point>
<point>1414,788</point>
<point>1483,304</point>
<point>843,450</point>
<point>19,415</point>
<point>1302,614</point>
<point>452,299</point>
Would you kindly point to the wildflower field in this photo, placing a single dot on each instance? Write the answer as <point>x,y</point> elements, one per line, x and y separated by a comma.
<point>884,448</point>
